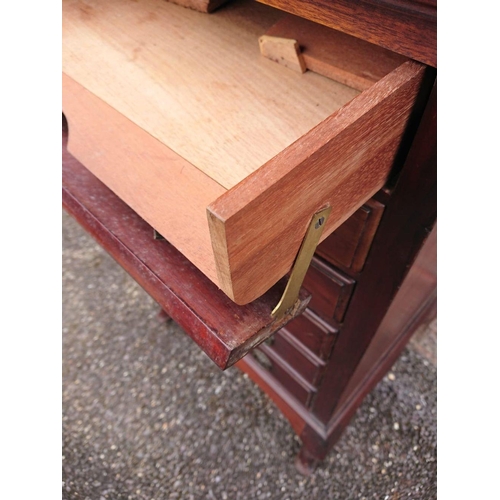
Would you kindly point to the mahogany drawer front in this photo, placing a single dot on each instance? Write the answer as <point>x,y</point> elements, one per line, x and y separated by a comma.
<point>297,356</point>
<point>349,244</point>
<point>314,333</point>
<point>330,290</point>
<point>285,374</point>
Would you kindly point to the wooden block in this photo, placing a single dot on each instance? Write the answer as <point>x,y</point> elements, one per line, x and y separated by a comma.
<point>284,51</point>
<point>334,54</point>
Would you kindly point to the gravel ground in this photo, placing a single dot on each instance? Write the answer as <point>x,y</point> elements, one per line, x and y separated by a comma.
<point>146,415</point>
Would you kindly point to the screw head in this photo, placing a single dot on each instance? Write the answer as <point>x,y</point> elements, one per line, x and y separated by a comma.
<point>319,223</point>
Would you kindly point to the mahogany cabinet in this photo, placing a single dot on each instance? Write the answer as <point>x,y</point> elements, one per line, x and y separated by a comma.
<point>372,279</point>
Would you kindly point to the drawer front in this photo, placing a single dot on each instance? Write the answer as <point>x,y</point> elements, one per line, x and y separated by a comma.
<point>289,378</point>
<point>349,244</point>
<point>257,226</point>
<point>297,356</point>
<point>314,333</point>
<point>330,290</point>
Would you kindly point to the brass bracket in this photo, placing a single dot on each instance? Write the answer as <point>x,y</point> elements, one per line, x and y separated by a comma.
<point>301,265</point>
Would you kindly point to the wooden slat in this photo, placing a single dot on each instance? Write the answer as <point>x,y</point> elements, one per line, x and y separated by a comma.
<point>334,54</point>
<point>257,226</point>
<point>196,83</point>
<point>403,26</point>
<point>222,329</point>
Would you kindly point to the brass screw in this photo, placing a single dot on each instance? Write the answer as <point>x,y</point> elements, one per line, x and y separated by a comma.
<point>319,223</point>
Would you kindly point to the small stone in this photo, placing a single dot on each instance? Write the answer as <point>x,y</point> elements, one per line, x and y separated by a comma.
<point>418,407</point>
<point>391,376</point>
<point>396,426</point>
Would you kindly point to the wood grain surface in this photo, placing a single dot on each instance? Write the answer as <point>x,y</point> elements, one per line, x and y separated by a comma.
<point>196,83</point>
<point>224,331</point>
<point>163,188</point>
<point>334,54</point>
<point>257,226</point>
<point>407,27</point>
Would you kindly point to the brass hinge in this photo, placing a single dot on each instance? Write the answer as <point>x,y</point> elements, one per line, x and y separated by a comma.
<point>301,264</point>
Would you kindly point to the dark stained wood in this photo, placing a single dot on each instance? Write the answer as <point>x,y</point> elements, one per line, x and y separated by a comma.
<point>307,364</point>
<point>348,245</point>
<point>415,304</point>
<point>417,295</point>
<point>408,219</point>
<point>407,27</point>
<point>330,290</point>
<point>411,220</point>
<point>296,413</point>
<point>224,330</point>
<point>284,374</point>
<point>305,462</point>
<point>314,333</point>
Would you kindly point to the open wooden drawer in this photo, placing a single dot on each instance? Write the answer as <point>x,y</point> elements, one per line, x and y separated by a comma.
<point>225,153</point>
